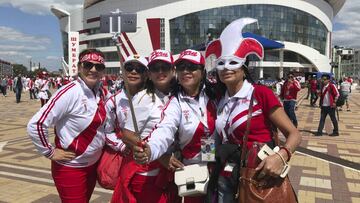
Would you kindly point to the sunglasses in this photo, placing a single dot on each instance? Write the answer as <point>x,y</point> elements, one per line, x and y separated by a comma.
<point>187,66</point>
<point>138,69</point>
<point>98,66</point>
<point>157,67</point>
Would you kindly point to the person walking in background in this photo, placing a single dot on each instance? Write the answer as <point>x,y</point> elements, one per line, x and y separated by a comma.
<point>10,83</point>
<point>289,94</point>
<point>350,80</point>
<point>328,98</point>
<point>313,90</point>
<point>345,89</point>
<point>308,86</point>
<point>31,87</point>
<point>44,86</point>
<point>278,86</point>
<point>4,82</point>
<point>18,87</point>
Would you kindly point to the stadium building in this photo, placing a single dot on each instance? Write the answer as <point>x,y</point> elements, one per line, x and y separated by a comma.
<point>304,27</point>
<point>6,69</point>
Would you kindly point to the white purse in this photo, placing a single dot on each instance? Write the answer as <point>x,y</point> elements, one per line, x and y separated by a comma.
<point>192,180</point>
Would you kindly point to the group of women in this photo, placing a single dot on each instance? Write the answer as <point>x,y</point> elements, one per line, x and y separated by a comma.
<point>177,111</point>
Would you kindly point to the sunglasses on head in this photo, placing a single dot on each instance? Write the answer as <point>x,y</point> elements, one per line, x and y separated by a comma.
<point>138,68</point>
<point>187,66</point>
<point>98,66</point>
<point>157,67</point>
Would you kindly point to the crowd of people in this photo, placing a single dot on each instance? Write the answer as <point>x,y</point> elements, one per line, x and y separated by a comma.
<point>39,87</point>
<point>166,115</point>
<point>333,96</point>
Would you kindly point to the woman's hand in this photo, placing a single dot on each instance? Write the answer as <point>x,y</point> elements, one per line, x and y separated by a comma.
<point>270,166</point>
<point>62,155</point>
<point>142,153</point>
<point>170,162</point>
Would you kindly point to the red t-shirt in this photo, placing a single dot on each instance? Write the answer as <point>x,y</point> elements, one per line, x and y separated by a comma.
<point>260,128</point>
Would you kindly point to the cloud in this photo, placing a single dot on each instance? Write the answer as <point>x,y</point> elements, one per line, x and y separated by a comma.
<point>11,35</point>
<point>42,7</point>
<point>19,47</point>
<point>347,25</point>
<point>52,58</point>
<point>14,42</point>
<point>8,54</point>
<point>22,47</point>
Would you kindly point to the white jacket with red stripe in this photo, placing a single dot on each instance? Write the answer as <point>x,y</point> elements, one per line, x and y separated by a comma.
<point>43,88</point>
<point>147,111</point>
<point>78,115</point>
<point>194,118</point>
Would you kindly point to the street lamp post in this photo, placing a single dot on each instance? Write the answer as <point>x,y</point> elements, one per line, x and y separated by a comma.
<point>339,67</point>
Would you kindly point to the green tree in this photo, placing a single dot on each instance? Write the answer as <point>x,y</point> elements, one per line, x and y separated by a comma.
<point>20,69</point>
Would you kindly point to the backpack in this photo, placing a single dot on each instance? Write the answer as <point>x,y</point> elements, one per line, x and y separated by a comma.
<point>340,101</point>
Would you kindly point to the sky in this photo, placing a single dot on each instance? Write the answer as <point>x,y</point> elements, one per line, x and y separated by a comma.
<point>30,32</point>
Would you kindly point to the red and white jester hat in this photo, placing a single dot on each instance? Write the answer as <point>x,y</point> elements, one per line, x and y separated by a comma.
<point>231,49</point>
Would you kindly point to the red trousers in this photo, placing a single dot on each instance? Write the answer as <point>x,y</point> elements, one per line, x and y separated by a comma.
<point>145,190</point>
<point>74,185</point>
<point>134,188</point>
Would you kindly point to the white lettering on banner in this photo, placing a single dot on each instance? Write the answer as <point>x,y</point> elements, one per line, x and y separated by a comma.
<point>73,53</point>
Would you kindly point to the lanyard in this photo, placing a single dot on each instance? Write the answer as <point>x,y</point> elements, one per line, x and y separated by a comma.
<point>231,110</point>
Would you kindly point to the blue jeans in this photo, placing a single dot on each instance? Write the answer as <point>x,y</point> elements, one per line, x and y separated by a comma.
<point>313,98</point>
<point>289,107</point>
<point>18,94</point>
<point>226,190</point>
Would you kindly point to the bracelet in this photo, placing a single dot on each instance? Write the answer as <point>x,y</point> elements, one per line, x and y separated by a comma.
<point>287,152</point>
<point>282,158</point>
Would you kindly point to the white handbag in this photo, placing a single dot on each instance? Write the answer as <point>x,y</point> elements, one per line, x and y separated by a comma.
<point>192,180</point>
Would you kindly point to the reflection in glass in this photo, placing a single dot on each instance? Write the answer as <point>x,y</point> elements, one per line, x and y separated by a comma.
<point>276,22</point>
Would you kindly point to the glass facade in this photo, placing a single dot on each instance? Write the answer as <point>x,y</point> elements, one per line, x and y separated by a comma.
<point>105,42</point>
<point>65,40</point>
<point>162,33</point>
<point>275,22</point>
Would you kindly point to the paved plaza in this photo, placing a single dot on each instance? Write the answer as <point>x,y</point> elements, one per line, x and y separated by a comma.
<point>324,169</point>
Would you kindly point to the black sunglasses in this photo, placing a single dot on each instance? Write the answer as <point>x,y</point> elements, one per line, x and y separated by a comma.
<point>187,66</point>
<point>157,67</point>
<point>139,69</point>
<point>98,66</point>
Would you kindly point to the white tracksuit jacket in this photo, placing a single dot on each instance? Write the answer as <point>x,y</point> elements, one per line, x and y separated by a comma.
<point>147,111</point>
<point>193,118</point>
<point>43,87</point>
<point>78,115</point>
